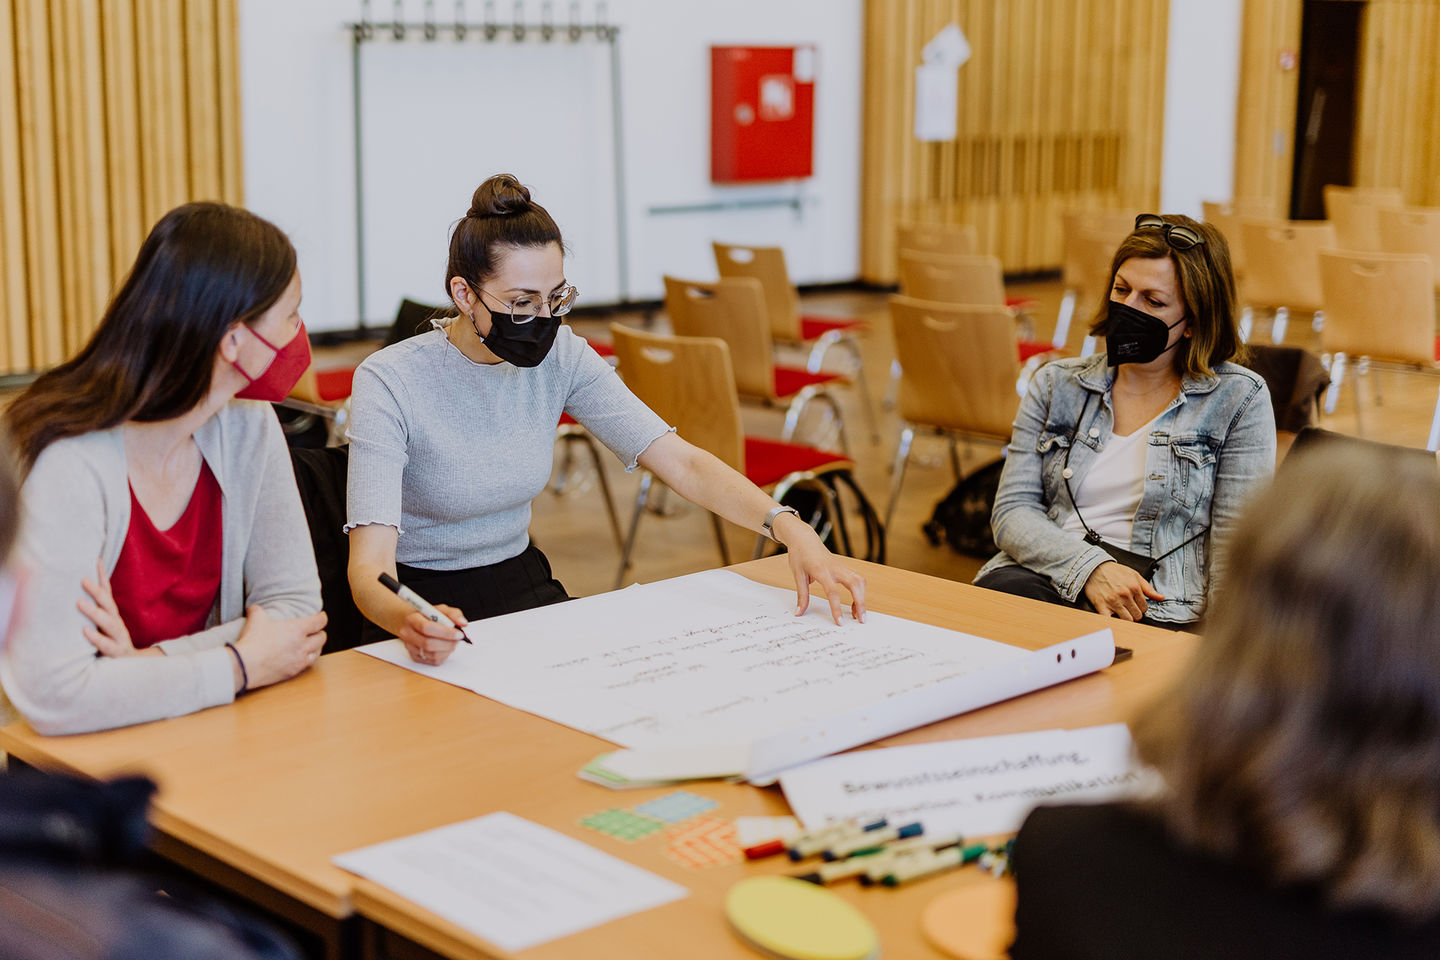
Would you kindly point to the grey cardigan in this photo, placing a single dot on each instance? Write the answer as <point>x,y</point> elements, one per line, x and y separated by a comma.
<point>76,508</point>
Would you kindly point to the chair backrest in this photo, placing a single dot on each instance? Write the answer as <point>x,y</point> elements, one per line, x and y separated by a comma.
<point>959,366</point>
<point>1282,266</point>
<point>1412,230</point>
<point>320,477</point>
<point>938,238</point>
<point>953,278</point>
<point>1354,211</point>
<point>1093,254</point>
<point>1226,217</point>
<point>412,319</point>
<point>732,309</point>
<point>766,264</point>
<point>1379,305</point>
<point>1075,225</point>
<point>689,383</point>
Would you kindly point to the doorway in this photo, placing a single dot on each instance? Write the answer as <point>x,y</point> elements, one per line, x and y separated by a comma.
<point>1325,109</point>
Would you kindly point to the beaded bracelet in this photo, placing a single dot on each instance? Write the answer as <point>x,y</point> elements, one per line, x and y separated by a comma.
<point>244,675</point>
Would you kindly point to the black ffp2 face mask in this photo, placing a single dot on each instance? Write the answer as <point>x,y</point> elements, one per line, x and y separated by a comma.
<point>521,344</point>
<point>1134,336</point>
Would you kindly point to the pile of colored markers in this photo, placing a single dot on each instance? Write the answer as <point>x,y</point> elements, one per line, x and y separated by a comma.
<point>877,853</point>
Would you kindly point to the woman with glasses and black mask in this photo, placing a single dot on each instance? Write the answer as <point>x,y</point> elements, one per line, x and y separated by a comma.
<point>452,436</point>
<point>1126,469</point>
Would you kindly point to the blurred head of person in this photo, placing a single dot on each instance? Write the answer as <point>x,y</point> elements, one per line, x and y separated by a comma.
<point>1304,739</point>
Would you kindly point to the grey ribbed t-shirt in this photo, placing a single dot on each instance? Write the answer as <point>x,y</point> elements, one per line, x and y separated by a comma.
<point>452,452</point>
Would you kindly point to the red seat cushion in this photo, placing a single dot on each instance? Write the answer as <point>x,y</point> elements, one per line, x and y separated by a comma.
<point>334,385</point>
<point>1029,348</point>
<point>791,380</point>
<point>770,461</point>
<point>601,347</point>
<point>1020,303</point>
<point>813,328</point>
<point>565,418</point>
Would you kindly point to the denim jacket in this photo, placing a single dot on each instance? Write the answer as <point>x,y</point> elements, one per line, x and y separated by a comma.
<point>1210,449</point>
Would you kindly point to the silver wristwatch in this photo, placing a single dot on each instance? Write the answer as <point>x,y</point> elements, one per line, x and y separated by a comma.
<point>768,526</point>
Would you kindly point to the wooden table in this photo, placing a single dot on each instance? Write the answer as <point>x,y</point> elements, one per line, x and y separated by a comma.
<point>261,794</point>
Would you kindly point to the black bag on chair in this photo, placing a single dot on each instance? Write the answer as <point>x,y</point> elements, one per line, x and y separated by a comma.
<point>962,518</point>
<point>849,497</point>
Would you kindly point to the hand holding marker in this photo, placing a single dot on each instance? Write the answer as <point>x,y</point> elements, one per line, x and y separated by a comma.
<point>420,603</point>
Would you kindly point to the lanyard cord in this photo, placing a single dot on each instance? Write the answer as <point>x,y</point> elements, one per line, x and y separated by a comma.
<point>1091,536</point>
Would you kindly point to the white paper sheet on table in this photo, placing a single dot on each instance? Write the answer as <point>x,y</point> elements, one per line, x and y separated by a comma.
<point>713,659</point>
<point>969,787</point>
<point>509,880</point>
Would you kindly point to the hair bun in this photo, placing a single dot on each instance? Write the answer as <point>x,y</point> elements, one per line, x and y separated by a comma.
<point>500,196</point>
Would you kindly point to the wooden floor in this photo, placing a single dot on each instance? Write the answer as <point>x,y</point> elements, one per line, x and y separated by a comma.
<point>572,527</point>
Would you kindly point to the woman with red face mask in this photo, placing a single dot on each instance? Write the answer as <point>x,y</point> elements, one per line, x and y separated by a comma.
<point>168,563</point>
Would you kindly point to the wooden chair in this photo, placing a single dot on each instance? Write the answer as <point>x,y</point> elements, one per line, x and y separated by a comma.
<point>974,279</point>
<point>961,377</point>
<point>1355,214</point>
<point>1379,310</point>
<point>1226,217</point>
<point>1412,230</point>
<point>787,323</point>
<point>1282,270</point>
<point>734,311</point>
<point>689,382</point>
<point>1080,232</point>
<point>952,238</point>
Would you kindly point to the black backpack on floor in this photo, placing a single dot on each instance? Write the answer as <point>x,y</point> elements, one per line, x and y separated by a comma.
<point>962,518</point>
<point>851,499</point>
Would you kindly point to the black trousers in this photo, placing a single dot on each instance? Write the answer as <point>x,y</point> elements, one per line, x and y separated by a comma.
<point>522,582</point>
<point>1024,582</point>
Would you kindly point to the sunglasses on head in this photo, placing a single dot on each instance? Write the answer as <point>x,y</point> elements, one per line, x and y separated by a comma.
<point>1177,235</point>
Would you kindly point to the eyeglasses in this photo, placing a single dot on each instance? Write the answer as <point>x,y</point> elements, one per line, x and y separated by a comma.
<point>526,307</point>
<point>1177,235</point>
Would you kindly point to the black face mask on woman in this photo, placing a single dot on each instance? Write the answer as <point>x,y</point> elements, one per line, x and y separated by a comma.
<point>1134,336</point>
<point>522,344</point>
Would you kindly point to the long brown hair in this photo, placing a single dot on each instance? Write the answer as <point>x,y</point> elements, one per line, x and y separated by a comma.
<point>1304,738</point>
<point>501,214</point>
<point>203,267</point>
<point>1207,287</point>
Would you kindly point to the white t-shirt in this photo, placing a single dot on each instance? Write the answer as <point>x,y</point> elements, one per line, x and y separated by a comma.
<point>1110,493</point>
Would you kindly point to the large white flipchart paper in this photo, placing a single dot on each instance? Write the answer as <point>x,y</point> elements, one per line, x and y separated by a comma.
<point>715,659</point>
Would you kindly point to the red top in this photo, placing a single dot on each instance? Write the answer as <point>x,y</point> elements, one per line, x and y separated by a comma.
<point>166,581</point>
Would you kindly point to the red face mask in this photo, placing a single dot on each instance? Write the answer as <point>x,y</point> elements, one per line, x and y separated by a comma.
<point>278,379</point>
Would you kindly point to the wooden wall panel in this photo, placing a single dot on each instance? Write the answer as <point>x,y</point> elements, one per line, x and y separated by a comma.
<point>1398,125</point>
<point>1060,107</point>
<point>1398,119</point>
<point>111,113</point>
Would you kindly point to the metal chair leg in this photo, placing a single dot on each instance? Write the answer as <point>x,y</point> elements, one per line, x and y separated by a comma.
<point>1337,375</point>
<point>1434,442</point>
<point>1279,324</point>
<point>1062,320</point>
<point>646,479</point>
<point>797,409</point>
<point>902,456</point>
<point>610,511</point>
<point>892,389</point>
<point>1247,318</point>
<point>719,527</point>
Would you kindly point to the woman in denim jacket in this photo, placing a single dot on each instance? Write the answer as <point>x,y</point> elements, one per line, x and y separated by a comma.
<point>1126,470</point>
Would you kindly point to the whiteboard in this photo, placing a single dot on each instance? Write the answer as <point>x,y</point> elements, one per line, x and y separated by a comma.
<point>439,117</point>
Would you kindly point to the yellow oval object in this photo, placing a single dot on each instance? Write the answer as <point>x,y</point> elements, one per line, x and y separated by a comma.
<point>799,921</point>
